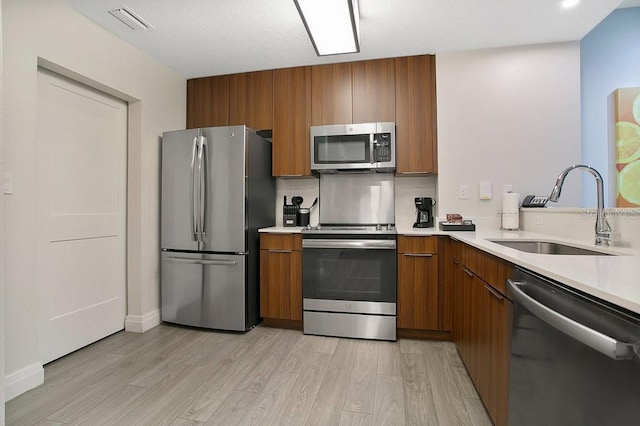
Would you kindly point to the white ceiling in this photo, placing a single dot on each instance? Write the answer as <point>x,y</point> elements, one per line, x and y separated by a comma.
<point>199,38</point>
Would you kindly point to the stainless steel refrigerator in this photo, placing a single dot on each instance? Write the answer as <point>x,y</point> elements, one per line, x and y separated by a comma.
<point>217,190</point>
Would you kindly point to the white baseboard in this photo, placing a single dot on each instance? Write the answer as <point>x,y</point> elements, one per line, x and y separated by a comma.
<point>23,380</point>
<point>140,324</point>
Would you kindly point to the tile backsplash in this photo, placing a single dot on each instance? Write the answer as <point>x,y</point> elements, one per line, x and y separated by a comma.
<point>578,223</point>
<point>307,188</point>
<point>406,189</point>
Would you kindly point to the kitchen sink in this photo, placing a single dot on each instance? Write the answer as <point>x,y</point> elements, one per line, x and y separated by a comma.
<point>548,247</point>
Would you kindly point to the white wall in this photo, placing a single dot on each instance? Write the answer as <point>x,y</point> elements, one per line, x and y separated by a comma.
<point>50,33</point>
<point>510,116</point>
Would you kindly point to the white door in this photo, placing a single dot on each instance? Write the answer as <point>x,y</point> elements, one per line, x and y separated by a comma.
<point>81,248</point>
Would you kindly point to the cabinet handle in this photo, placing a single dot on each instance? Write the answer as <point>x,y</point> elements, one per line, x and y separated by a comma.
<point>279,251</point>
<point>494,292</point>
<point>468,272</point>
<point>418,254</point>
<point>455,261</point>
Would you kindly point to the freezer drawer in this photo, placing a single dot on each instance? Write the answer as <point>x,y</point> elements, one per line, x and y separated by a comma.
<point>204,290</point>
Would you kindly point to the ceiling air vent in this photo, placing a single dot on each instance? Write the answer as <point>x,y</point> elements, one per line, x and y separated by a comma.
<point>130,19</point>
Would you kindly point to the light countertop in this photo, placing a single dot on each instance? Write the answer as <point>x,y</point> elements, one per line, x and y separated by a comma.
<point>282,229</point>
<point>615,279</point>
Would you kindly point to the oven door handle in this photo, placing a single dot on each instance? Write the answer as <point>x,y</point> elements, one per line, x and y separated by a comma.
<point>350,244</point>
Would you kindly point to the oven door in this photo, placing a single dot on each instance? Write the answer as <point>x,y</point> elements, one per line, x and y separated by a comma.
<point>357,270</point>
<point>349,288</point>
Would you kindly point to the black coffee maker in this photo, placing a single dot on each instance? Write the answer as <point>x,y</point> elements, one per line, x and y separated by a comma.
<point>424,207</point>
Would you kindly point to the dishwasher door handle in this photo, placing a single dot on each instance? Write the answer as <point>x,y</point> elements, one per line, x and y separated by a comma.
<point>594,339</point>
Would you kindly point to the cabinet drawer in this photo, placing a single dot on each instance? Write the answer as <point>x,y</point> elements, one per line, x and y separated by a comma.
<point>280,242</point>
<point>417,244</point>
<point>489,268</point>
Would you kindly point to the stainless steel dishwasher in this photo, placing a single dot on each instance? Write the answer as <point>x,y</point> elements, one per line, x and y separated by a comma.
<point>574,358</point>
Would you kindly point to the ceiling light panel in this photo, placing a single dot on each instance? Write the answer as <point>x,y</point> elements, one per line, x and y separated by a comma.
<point>568,4</point>
<point>130,18</point>
<point>333,25</point>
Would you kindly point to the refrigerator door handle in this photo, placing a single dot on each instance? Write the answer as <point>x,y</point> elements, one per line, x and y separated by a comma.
<point>201,261</point>
<point>204,173</point>
<point>198,191</point>
<point>192,187</point>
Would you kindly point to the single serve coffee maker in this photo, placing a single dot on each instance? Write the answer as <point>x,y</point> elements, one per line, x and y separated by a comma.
<point>424,208</point>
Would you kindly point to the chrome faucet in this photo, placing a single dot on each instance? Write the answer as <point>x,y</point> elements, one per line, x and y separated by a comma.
<point>603,230</point>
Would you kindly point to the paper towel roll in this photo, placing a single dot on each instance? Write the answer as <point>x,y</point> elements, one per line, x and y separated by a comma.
<point>510,202</point>
<point>510,221</point>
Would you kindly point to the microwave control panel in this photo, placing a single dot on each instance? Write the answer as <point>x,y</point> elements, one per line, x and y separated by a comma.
<point>382,145</point>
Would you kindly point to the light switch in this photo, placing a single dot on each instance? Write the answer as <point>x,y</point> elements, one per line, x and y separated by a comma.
<point>484,190</point>
<point>7,183</point>
<point>463,192</point>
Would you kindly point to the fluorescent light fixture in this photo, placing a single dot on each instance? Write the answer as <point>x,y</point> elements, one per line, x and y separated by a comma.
<point>130,19</point>
<point>333,25</point>
<point>567,4</point>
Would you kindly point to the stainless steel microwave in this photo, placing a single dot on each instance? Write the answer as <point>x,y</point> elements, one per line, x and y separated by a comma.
<point>353,147</point>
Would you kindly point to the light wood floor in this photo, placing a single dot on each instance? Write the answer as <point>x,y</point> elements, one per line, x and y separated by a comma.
<point>179,376</point>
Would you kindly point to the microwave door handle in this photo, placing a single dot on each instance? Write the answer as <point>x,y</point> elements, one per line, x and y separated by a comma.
<point>371,148</point>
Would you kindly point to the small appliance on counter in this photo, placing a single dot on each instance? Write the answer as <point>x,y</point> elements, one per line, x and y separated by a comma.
<point>295,215</point>
<point>303,215</point>
<point>424,207</point>
<point>289,212</point>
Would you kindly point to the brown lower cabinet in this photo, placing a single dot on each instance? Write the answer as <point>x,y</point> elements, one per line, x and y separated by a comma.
<point>481,319</point>
<point>423,297</point>
<point>418,283</point>
<point>281,280</point>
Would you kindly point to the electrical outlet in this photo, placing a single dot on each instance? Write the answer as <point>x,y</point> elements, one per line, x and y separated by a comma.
<point>463,192</point>
<point>506,188</point>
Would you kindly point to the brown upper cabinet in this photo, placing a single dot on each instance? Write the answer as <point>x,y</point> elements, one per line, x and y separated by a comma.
<point>208,102</point>
<point>355,92</point>
<point>416,147</point>
<point>374,91</point>
<point>331,94</point>
<point>291,121</point>
<point>251,99</point>
<point>290,100</point>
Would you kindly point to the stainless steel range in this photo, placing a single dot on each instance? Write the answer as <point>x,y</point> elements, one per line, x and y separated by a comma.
<point>349,267</point>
